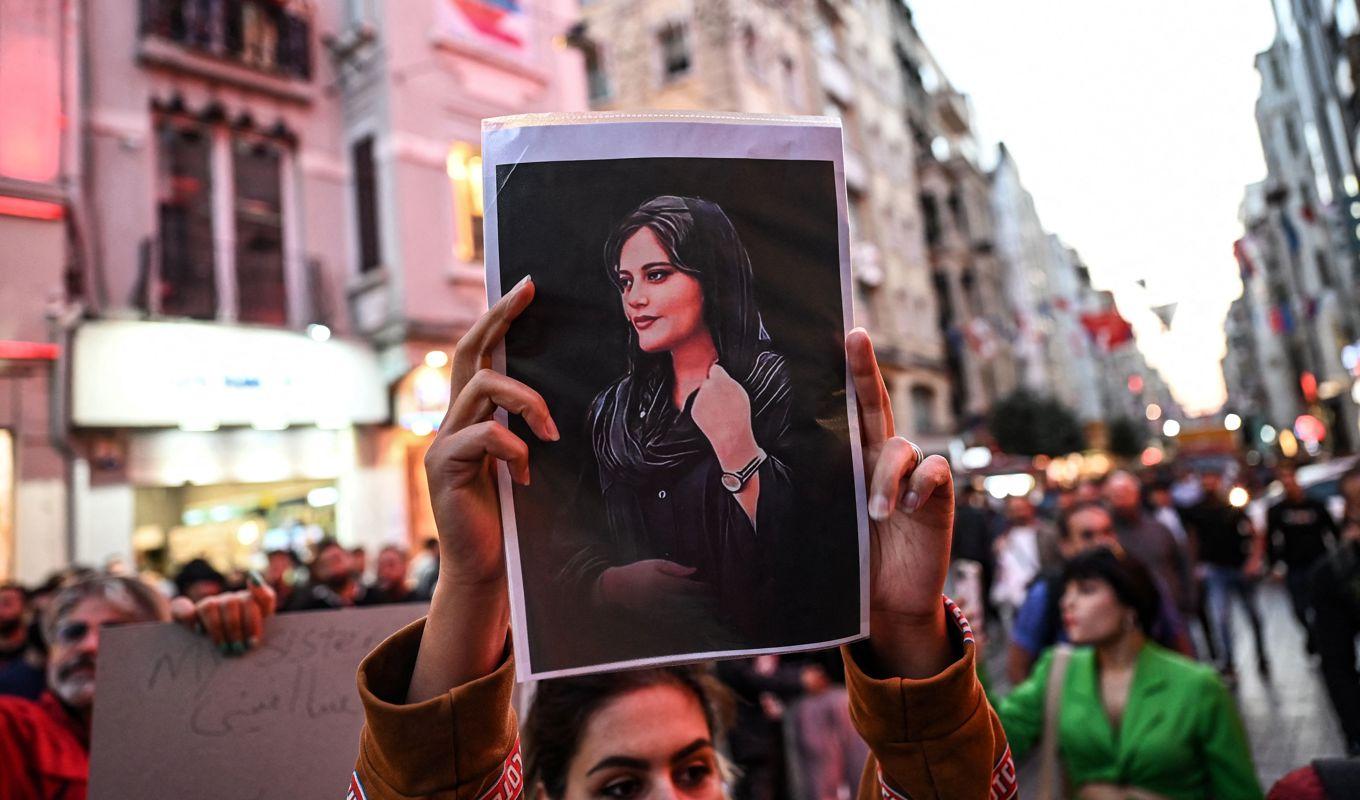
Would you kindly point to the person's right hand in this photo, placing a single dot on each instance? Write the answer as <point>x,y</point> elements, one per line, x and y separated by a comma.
<point>639,584</point>
<point>233,620</point>
<point>459,465</point>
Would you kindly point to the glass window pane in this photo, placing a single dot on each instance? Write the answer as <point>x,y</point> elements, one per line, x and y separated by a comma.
<point>260,291</point>
<point>187,284</point>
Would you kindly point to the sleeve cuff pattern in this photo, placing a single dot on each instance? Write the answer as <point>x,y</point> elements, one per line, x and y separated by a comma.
<point>510,786</point>
<point>1005,784</point>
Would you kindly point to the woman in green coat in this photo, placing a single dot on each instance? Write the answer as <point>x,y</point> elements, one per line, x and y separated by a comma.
<point>1136,720</point>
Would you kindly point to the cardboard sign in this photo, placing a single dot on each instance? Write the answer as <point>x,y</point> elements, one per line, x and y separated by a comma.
<point>174,718</point>
<point>692,295</point>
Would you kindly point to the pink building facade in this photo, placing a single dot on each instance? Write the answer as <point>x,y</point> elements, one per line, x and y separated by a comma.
<point>260,240</point>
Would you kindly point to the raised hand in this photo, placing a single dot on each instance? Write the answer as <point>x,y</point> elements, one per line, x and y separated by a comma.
<point>911,513</point>
<point>233,620</point>
<point>469,618</point>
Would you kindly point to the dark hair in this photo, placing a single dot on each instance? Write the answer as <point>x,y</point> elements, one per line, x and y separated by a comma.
<point>195,571</point>
<point>1065,520</point>
<point>563,707</point>
<point>326,544</point>
<point>11,586</point>
<point>129,594</point>
<point>701,241</point>
<point>1131,582</point>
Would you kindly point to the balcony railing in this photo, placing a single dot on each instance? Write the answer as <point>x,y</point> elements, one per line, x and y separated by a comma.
<point>258,34</point>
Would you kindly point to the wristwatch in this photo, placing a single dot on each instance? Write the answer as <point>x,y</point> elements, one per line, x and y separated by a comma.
<point>734,482</point>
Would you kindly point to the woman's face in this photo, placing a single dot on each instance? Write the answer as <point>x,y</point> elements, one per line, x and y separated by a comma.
<point>663,304</point>
<point>651,743</point>
<point>1091,611</point>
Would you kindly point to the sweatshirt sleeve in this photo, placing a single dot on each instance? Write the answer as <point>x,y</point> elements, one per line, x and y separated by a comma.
<point>931,738</point>
<point>463,745</point>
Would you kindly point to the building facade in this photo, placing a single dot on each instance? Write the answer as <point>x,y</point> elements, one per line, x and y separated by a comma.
<point>268,242</point>
<point>826,58</point>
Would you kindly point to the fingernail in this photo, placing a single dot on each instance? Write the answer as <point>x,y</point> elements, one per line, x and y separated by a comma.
<point>224,649</point>
<point>878,507</point>
<point>552,430</point>
<point>522,282</point>
<point>912,501</point>
<point>239,648</point>
<point>253,643</point>
<point>255,578</point>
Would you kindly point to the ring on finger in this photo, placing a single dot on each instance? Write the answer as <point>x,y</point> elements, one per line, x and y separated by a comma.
<point>920,456</point>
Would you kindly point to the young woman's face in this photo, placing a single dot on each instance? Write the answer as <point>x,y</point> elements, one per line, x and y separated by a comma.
<point>663,304</point>
<point>1091,612</point>
<point>652,743</point>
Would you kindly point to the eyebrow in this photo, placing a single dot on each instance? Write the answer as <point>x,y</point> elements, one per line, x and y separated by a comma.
<point>640,764</point>
<point>652,264</point>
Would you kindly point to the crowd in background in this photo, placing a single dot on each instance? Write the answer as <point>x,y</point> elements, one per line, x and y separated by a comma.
<point>1172,552</point>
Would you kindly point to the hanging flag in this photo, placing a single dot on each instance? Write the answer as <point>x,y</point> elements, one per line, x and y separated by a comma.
<point>1142,283</point>
<point>1108,328</point>
<point>1165,313</point>
<point>1291,235</point>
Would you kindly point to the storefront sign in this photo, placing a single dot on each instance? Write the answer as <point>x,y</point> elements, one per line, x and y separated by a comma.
<point>201,376</point>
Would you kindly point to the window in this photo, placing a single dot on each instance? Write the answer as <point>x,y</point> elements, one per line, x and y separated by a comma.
<point>923,409</point>
<point>366,204</point>
<point>262,34</point>
<point>220,204</point>
<point>258,210</point>
<point>597,80</point>
<point>675,56</point>
<point>956,210</point>
<point>930,214</point>
<point>1291,135</point>
<point>187,282</point>
<point>465,180</point>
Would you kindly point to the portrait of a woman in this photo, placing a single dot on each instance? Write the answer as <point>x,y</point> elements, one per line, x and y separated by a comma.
<point>687,443</point>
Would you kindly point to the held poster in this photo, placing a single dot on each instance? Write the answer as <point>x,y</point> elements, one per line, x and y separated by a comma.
<point>692,296</point>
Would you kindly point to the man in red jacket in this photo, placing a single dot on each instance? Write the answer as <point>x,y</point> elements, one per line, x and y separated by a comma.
<point>45,745</point>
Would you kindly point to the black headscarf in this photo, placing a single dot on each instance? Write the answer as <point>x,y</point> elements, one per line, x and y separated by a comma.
<point>635,427</point>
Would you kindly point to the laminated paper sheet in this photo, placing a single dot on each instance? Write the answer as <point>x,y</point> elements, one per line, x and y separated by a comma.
<point>692,295</point>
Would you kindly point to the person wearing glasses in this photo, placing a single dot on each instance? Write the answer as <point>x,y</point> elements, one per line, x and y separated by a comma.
<point>1038,623</point>
<point>44,745</point>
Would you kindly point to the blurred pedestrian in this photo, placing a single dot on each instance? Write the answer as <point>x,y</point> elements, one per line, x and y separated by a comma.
<point>44,744</point>
<point>197,580</point>
<point>1038,624</point>
<point>1164,511</point>
<point>1148,540</point>
<point>426,568</point>
<point>280,573</point>
<point>390,584</point>
<point>21,664</point>
<point>359,563</point>
<point>1299,533</point>
<point>973,542</point>
<point>1119,716</point>
<point>1231,554</point>
<point>828,754</point>
<point>1324,779</point>
<point>331,582</point>
<point>1027,546</point>
<point>1336,616</point>
<point>763,687</point>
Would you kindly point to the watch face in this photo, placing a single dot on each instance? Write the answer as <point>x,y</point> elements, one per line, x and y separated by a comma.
<point>731,482</point>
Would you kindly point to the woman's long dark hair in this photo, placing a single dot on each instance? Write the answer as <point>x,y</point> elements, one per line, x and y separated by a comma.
<point>563,707</point>
<point>701,241</point>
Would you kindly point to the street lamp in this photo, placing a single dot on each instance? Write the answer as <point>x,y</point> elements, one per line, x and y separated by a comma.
<point>1154,412</point>
<point>1171,428</point>
<point>1232,422</point>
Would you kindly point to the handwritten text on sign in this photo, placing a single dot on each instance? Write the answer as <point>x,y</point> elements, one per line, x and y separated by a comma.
<point>173,718</point>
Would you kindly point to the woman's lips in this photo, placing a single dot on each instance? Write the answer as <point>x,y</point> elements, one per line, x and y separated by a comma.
<point>642,323</point>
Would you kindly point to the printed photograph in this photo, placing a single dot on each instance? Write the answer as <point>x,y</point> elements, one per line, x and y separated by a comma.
<point>687,335</point>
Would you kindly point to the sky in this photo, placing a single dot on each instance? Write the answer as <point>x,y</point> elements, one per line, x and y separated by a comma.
<point>1133,126</point>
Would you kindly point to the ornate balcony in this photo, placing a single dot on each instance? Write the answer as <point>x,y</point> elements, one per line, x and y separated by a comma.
<point>260,35</point>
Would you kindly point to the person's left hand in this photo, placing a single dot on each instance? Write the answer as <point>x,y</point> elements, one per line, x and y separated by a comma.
<point>233,620</point>
<point>911,512</point>
<point>722,410</point>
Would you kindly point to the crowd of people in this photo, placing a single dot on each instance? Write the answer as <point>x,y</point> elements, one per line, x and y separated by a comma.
<point>1113,601</point>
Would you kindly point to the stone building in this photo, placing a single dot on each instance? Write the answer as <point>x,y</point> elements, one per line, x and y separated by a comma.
<point>802,57</point>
